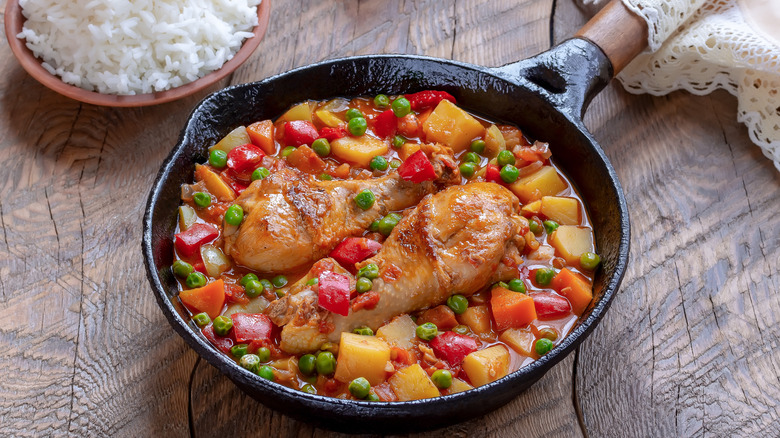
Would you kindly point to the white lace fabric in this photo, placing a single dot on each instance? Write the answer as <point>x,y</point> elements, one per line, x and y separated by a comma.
<point>703,45</point>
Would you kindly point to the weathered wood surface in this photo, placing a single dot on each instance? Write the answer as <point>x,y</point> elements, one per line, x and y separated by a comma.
<point>688,347</point>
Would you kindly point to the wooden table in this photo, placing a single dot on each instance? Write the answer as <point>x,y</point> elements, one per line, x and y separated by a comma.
<point>686,349</point>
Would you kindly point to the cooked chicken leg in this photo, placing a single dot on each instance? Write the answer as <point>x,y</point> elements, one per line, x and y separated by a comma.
<point>454,242</point>
<point>292,219</point>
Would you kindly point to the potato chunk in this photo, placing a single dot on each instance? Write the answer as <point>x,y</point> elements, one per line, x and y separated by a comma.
<point>358,150</point>
<point>543,182</point>
<point>494,142</point>
<point>488,365</point>
<point>234,139</point>
<point>521,340</point>
<point>214,184</point>
<point>302,111</point>
<point>565,211</point>
<point>571,241</point>
<point>459,386</point>
<point>399,332</point>
<point>477,318</point>
<point>451,126</point>
<point>362,356</point>
<point>413,383</point>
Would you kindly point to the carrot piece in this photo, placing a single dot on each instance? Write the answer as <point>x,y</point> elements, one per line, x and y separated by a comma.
<point>577,289</point>
<point>511,309</point>
<point>442,316</point>
<point>262,135</point>
<point>209,298</point>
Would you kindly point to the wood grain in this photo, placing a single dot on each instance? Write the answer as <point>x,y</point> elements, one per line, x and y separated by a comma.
<point>689,346</point>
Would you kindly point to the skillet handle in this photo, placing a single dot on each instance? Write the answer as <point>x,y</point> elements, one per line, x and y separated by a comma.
<point>573,72</point>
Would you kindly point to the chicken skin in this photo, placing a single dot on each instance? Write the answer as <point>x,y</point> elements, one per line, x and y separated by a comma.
<point>292,219</point>
<point>456,241</point>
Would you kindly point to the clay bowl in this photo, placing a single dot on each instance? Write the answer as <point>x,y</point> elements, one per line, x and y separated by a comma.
<point>14,20</point>
<point>545,96</point>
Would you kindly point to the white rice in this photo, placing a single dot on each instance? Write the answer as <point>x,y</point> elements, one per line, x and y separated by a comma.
<point>134,47</point>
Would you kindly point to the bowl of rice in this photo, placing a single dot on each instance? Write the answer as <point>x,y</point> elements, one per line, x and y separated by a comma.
<point>127,54</point>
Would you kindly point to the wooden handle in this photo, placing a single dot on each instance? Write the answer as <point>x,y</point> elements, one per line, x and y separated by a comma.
<point>620,33</point>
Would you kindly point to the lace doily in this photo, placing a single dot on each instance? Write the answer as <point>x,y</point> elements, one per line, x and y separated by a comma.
<point>702,45</point>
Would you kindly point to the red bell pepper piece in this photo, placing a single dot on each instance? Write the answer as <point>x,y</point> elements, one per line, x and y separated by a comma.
<point>453,347</point>
<point>368,300</point>
<point>428,99</point>
<point>385,124</point>
<point>334,291</point>
<point>298,132</point>
<point>355,249</point>
<point>249,327</point>
<point>244,159</point>
<point>331,134</point>
<point>417,168</point>
<point>550,306</point>
<point>223,343</point>
<point>188,242</point>
<point>493,174</point>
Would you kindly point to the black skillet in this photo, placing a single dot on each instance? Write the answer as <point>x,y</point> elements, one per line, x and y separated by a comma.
<point>545,95</point>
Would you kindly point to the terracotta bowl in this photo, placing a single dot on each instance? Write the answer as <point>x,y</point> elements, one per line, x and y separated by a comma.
<point>14,20</point>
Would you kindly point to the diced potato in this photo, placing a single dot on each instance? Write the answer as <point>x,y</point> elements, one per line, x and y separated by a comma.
<point>262,135</point>
<point>488,365</point>
<point>399,332</point>
<point>533,207</point>
<point>494,142</point>
<point>477,318</point>
<point>543,182</point>
<point>459,386</point>
<point>565,211</point>
<point>408,149</point>
<point>187,217</point>
<point>214,184</point>
<point>521,340</point>
<point>234,139</point>
<point>571,241</point>
<point>328,118</point>
<point>358,150</point>
<point>413,383</point>
<point>302,111</point>
<point>362,356</point>
<point>451,126</point>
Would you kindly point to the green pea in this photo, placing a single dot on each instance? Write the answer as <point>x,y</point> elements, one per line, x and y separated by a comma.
<point>260,173</point>
<point>506,157</point>
<point>458,303</point>
<point>509,173</point>
<point>201,199</point>
<point>543,346</point>
<point>266,372</point>
<point>372,397</point>
<point>287,151</point>
<point>477,146</point>
<point>307,364</point>
<point>234,215</point>
<point>589,261</point>
<point>365,199</point>
<point>427,331</point>
<point>195,279</point>
<point>239,350</point>
<point>544,276</point>
<point>398,141</point>
<point>374,227</point>
<point>516,285</point>
<point>201,319</point>
<point>253,288</point>
<point>461,329</point>
<point>326,363</point>
<point>468,169</point>
<point>246,278</point>
<point>357,126</point>
<point>533,225</point>
<point>182,269</point>
<point>378,163</point>
<point>359,388</point>
<point>264,354</point>
<point>279,281</point>
<point>395,163</point>
<point>363,285</point>
<point>550,226</point>
<point>442,379</point>
<point>267,285</point>
<point>401,107</point>
<point>370,271</point>
<point>312,281</point>
<point>218,158</point>
<point>353,113</point>
<point>364,331</point>
<point>325,177</point>
<point>309,389</point>
<point>321,147</point>
<point>222,325</point>
<point>471,157</point>
<point>549,333</point>
<point>250,362</point>
<point>387,223</point>
<point>381,101</point>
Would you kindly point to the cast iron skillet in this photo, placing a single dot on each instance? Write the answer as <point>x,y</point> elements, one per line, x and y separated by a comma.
<point>545,95</point>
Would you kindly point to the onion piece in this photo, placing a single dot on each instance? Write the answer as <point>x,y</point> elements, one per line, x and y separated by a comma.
<point>215,261</point>
<point>187,217</point>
